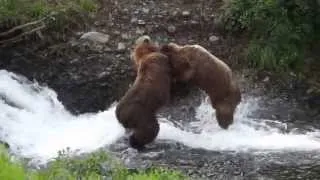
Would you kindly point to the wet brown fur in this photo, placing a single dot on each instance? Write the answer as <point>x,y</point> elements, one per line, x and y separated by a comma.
<point>194,64</point>
<point>150,91</point>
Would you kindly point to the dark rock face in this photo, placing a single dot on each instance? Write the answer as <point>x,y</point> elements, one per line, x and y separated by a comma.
<point>91,69</point>
<point>87,82</point>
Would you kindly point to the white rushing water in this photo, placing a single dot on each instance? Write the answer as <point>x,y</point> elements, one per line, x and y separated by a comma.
<point>36,125</point>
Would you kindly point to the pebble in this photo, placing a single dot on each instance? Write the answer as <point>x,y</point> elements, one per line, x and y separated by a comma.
<point>121,46</point>
<point>191,41</point>
<point>186,13</point>
<point>99,23</point>
<point>134,19</point>
<point>140,31</point>
<point>266,79</point>
<point>141,22</point>
<point>213,38</point>
<point>101,75</point>
<point>194,22</point>
<point>309,91</point>
<point>125,36</point>
<point>171,29</point>
<point>145,10</point>
<point>175,13</point>
<point>117,32</point>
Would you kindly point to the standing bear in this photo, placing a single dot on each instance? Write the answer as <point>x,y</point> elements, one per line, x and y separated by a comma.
<point>150,91</point>
<point>194,64</point>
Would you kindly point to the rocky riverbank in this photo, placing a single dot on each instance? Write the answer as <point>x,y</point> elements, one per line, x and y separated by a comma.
<point>91,72</point>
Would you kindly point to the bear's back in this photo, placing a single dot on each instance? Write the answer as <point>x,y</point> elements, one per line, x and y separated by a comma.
<point>210,72</point>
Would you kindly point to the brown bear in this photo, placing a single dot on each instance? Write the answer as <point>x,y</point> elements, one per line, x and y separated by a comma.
<point>194,64</point>
<point>150,91</point>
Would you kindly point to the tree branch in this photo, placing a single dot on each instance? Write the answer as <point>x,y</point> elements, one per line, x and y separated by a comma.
<point>21,27</point>
<point>16,38</point>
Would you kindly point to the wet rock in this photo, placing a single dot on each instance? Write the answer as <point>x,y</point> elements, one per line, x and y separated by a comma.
<point>186,13</point>
<point>116,32</point>
<point>141,22</point>
<point>95,37</point>
<point>194,22</point>
<point>125,36</point>
<point>266,79</point>
<point>140,31</point>
<point>134,20</point>
<point>145,10</point>
<point>213,38</point>
<point>121,46</point>
<point>171,29</point>
<point>99,23</point>
<point>101,75</point>
<point>175,13</point>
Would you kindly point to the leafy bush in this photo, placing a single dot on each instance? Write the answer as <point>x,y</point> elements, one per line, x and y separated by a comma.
<point>10,170</point>
<point>281,31</point>
<point>94,166</point>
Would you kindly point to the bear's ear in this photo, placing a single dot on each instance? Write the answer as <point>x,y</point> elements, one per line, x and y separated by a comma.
<point>143,39</point>
<point>146,40</point>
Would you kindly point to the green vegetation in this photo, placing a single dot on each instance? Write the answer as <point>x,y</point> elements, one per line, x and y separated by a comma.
<point>22,18</point>
<point>282,32</point>
<point>95,166</point>
<point>27,10</point>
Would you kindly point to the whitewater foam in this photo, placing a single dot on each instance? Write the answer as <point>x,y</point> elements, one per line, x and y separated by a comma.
<point>36,125</point>
<point>244,134</point>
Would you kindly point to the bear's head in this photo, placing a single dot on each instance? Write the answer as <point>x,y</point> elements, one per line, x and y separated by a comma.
<point>143,46</point>
<point>178,57</point>
<point>225,110</point>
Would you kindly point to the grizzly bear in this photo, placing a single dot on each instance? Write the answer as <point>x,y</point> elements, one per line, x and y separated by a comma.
<point>150,91</point>
<point>194,64</point>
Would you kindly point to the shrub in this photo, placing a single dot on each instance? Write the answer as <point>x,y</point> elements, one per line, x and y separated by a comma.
<point>281,31</point>
<point>95,166</point>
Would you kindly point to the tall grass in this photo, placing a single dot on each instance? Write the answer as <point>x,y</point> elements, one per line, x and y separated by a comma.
<point>26,10</point>
<point>95,166</point>
<point>282,32</point>
<point>57,15</point>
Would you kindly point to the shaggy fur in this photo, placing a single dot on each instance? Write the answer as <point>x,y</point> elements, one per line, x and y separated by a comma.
<point>151,90</point>
<point>193,63</point>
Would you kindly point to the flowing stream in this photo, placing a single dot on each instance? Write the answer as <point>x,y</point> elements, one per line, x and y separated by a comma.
<point>36,125</point>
